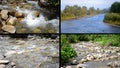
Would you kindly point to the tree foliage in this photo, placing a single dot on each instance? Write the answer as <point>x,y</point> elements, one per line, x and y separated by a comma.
<point>71,12</point>
<point>115,8</point>
<point>114,16</point>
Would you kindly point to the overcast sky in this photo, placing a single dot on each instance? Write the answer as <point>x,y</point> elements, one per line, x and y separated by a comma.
<point>88,3</point>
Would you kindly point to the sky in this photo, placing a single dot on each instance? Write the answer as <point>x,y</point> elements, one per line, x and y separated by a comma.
<point>88,3</point>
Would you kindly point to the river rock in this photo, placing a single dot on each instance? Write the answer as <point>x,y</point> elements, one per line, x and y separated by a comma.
<point>83,60</point>
<point>36,13</point>
<point>80,66</point>
<point>68,67</point>
<point>11,21</point>
<point>12,12</point>
<point>13,64</point>
<point>4,14</point>
<point>4,61</point>
<point>74,62</point>
<point>19,15</point>
<point>2,66</point>
<point>9,28</point>
<point>115,64</point>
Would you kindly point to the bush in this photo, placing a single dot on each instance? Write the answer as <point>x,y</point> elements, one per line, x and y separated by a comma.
<point>112,18</point>
<point>73,38</point>
<point>67,53</point>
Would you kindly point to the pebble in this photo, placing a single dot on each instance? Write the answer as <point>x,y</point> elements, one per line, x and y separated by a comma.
<point>74,62</point>
<point>4,61</point>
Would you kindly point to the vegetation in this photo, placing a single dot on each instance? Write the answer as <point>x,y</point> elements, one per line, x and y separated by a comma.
<point>72,12</point>
<point>114,16</point>
<point>67,52</point>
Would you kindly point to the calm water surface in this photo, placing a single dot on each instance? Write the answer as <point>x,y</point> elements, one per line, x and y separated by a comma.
<point>93,24</point>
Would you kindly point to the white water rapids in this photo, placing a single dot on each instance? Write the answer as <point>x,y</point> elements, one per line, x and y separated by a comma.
<point>30,21</point>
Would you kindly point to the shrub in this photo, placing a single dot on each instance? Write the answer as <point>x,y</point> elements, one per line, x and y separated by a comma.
<point>112,18</point>
<point>67,53</point>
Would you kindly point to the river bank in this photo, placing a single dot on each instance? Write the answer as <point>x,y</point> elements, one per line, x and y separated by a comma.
<point>31,52</point>
<point>94,55</point>
<point>79,17</point>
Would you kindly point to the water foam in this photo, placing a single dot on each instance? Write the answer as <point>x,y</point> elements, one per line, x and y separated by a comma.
<point>30,21</point>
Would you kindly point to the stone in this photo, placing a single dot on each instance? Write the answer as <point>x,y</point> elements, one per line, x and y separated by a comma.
<point>36,30</point>
<point>74,62</point>
<point>80,66</point>
<point>19,15</point>
<point>11,21</point>
<point>9,28</point>
<point>113,57</point>
<point>13,64</point>
<point>36,13</point>
<point>68,67</point>
<point>4,61</point>
<point>12,12</point>
<point>83,60</point>
<point>4,14</point>
<point>2,66</point>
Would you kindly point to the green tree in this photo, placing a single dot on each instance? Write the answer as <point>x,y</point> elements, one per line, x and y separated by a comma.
<point>115,8</point>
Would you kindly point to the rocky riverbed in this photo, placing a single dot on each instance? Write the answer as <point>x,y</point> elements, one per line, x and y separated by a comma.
<point>95,55</point>
<point>30,52</point>
<point>26,17</point>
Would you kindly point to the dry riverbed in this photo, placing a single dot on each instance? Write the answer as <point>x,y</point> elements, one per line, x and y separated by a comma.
<point>31,52</point>
<point>94,55</point>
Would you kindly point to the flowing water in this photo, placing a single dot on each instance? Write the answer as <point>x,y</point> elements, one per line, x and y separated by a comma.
<point>31,52</point>
<point>30,22</point>
<point>93,24</point>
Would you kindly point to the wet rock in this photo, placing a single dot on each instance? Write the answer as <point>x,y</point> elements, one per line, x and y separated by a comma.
<point>74,62</point>
<point>36,30</point>
<point>9,28</point>
<point>83,60</point>
<point>113,57</point>
<point>115,64</point>
<point>4,14</point>
<point>68,67</point>
<point>12,64</point>
<point>36,13</point>
<point>11,21</point>
<point>2,66</point>
<point>4,61</point>
<point>19,15</point>
<point>12,12</point>
<point>25,6</point>
<point>80,66</point>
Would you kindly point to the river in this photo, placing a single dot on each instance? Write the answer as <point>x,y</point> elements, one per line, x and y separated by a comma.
<point>92,24</point>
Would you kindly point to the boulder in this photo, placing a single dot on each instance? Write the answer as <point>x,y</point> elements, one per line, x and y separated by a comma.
<point>11,21</point>
<point>19,15</point>
<point>4,14</point>
<point>9,28</point>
